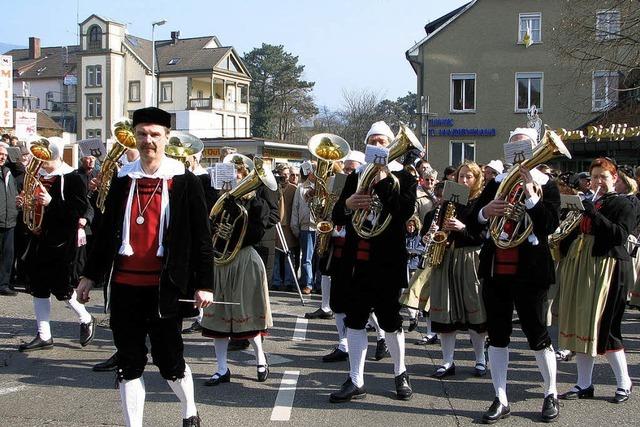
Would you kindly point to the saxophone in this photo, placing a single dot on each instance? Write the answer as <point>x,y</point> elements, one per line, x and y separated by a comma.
<point>426,256</point>
<point>440,240</point>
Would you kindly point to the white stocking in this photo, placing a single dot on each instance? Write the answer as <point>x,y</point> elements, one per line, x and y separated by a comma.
<point>80,309</point>
<point>448,343</point>
<point>325,287</point>
<point>183,388</point>
<point>499,357</point>
<point>546,360</point>
<point>261,359</point>
<point>618,362</point>
<point>395,343</point>
<point>357,339</point>
<point>584,364</point>
<point>427,320</point>
<point>477,340</point>
<point>132,394</point>
<point>42,309</point>
<point>373,319</point>
<point>221,345</point>
<point>342,332</point>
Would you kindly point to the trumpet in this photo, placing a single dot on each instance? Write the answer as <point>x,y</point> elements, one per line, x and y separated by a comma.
<point>371,222</point>
<point>125,139</point>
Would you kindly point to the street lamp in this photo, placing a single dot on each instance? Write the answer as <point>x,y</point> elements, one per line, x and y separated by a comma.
<point>154,97</point>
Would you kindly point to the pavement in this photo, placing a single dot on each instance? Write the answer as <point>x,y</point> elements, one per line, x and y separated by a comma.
<point>58,388</point>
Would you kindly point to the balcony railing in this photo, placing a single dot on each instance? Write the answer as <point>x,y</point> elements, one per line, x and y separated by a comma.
<point>217,104</point>
<point>200,103</point>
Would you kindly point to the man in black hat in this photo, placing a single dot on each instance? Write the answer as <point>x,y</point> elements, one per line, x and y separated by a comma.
<point>155,236</point>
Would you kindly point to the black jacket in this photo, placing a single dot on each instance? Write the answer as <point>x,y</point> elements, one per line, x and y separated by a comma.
<point>187,244</point>
<point>8,192</point>
<point>470,236</point>
<point>388,253</point>
<point>611,225</point>
<point>535,264</point>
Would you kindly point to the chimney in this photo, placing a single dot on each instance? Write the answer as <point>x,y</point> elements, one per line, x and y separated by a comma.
<point>174,36</point>
<point>34,48</point>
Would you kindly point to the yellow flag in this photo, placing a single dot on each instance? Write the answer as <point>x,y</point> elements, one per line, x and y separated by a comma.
<point>527,40</point>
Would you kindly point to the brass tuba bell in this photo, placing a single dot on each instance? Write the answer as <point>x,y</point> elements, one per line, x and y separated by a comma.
<point>182,145</point>
<point>41,150</point>
<point>371,222</point>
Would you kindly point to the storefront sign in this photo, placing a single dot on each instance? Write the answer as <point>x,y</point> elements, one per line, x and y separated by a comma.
<point>209,153</point>
<point>451,131</point>
<point>282,154</point>
<point>26,125</point>
<point>616,132</point>
<point>6,91</point>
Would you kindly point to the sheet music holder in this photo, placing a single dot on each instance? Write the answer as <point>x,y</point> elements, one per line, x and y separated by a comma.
<point>456,193</point>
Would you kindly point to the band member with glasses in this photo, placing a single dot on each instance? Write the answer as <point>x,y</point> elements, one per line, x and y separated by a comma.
<point>154,235</point>
<point>591,282</point>
<point>519,276</point>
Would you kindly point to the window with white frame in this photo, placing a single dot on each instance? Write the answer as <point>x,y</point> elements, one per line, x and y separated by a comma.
<point>166,92</point>
<point>94,106</point>
<point>94,76</point>
<point>605,90</point>
<point>529,91</point>
<point>607,25</point>
<point>463,93</point>
<point>94,133</point>
<point>134,91</point>
<point>531,23</point>
<point>459,151</point>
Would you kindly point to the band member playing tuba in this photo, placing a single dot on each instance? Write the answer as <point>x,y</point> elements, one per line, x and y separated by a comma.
<point>456,291</point>
<point>54,199</point>
<point>154,236</point>
<point>375,269</point>
<point>591,283</point>
<point>519,276</point>
<point>240,218</point>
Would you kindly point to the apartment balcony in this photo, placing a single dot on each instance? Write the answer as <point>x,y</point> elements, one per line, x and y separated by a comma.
<point>217,104</point>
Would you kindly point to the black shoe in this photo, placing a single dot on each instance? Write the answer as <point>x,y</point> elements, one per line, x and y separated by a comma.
<point>564,355</point>
<point>7,291</point>
<point>403,387</point>
<point>191,421</point>
<point>621,395</point>
<point>36,344</point>
<point>87,332</point>
<point>550,409</point>
<point>108,365</point>
<point>195,327</point>
<point>347,392</point>
<point>236,345</point>
<point>480,370</point>
<point>218,379</point>
<point>263,375</point>
<point>319,314</point>
<point>381,350</point>
<point>496,412</point>
<point>428,341</point>
<point>443,372</point>
<point>578,393</point>
<point>336,355</point>
<point>413,324</point>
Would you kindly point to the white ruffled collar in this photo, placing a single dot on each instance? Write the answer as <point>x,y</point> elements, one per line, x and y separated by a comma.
<point>168,169</point>
<point>538,177</point>
<point>63,169</point>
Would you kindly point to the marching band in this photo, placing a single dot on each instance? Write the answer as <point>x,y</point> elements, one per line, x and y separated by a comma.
<point>168,246</point>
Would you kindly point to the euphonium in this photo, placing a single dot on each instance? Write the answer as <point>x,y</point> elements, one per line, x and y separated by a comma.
<point>440,239</point>
<point>32,211</point>
<point>125,139</point>
<point>371,222</point>
<point>327,148</point>
<point>230,227</point>
<point>182,145</point>
<point>567,224</point>
<point>515,226</point>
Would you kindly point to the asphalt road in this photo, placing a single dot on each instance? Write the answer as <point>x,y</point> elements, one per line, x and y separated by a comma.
<point>57,387</point>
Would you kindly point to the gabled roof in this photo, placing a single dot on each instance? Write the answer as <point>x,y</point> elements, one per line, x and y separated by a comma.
<point>190,55</point>
<point>140,47</point>
<point>432,28</point>
<point>51,64</point>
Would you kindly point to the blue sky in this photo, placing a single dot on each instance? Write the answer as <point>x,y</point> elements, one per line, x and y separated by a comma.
<point>349,44</point>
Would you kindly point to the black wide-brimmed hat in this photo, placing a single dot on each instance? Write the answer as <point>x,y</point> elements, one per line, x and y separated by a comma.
<point>152,115</point>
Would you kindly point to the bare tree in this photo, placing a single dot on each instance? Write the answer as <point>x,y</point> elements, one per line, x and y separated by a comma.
<point>358,113</point>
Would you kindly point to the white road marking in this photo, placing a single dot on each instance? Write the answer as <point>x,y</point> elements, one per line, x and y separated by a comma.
<point>300,332</point>
<point>9,390</point>
<point>286,394</point>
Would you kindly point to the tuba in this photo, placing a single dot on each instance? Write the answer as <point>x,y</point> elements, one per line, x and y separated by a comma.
<point>230,227</point>
<point>516,223</point>
<point>125,139</point>
<point>569,223</point>
<point>327,148</point>
<point>182,145</point>
<point>371,222</point>
<point>41,150</point>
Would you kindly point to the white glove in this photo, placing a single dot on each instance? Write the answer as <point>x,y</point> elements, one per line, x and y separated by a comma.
<point>82,237</point>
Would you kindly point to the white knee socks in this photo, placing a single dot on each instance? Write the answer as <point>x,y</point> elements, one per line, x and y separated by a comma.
<point>499,357</point>
<point>80,309</point>
<point>42,310</point>
<point>618,362</point>
<point>357,339</point>
<point>379,331</point>
<point>477,341</point>
<point>584,364</point>
<point>395,343</point>
<point>221,345</point>
<point>546,360</point>
<point>448,343</point>
<point>200,316</point>
<point>342,332</point>
<point>261,359</point>
<point>427,320</point>
<point>183,388</point>
<point>132,394</point>
<point>325,286</point>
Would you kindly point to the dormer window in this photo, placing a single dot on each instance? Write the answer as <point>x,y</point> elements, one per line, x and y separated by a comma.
<point>95,37</point>
<point>174,61</point>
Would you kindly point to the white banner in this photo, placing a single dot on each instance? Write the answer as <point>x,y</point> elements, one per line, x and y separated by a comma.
<point>6,91</point>
<point>26,125</point>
